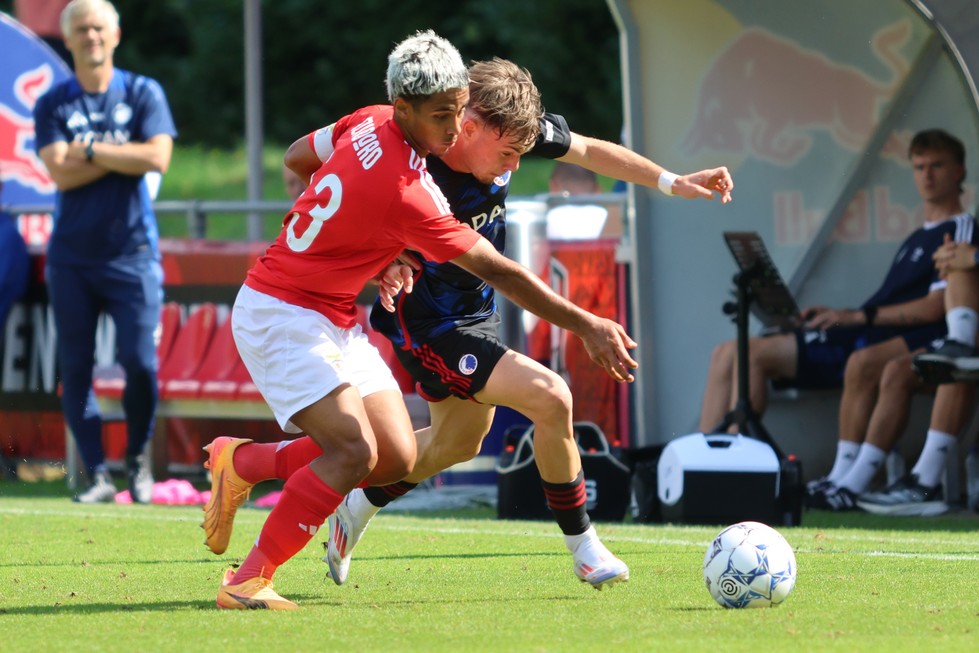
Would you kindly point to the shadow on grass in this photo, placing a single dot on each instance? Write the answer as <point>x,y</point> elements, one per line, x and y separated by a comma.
<point>304,600</point>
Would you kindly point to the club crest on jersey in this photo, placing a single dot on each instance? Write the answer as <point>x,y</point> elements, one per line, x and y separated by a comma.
<point>121,114</point>
<point>468,364</point>
<point>503,179</point>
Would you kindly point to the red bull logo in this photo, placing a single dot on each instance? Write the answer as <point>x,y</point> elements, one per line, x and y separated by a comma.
<point>28,68</point>
<point>765,96</point>
<point>18,162</point>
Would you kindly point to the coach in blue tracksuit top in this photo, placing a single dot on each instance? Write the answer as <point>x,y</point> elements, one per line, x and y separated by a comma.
<point>99,134</point>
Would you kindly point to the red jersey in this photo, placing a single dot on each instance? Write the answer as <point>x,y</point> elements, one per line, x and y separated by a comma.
<point>371,199</point>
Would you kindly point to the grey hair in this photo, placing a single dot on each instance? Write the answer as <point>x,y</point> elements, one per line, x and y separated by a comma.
<point>103,8</point>
<point>423,65</point>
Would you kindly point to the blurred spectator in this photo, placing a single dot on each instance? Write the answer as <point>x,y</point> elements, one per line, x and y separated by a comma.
<point>43,17</point>
<point>99,133</point>
<point>575,221</point>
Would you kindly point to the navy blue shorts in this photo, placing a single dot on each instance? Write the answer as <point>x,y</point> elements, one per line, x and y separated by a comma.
<point>457,363</point>
<point>823,354</point>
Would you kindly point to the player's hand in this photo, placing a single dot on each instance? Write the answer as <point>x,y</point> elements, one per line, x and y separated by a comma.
<point>608,345</point>
<point>704,184</point>
<point>76,151</point>
<point>952,256</point>
<point>396,277</point>
<point>820,318</point>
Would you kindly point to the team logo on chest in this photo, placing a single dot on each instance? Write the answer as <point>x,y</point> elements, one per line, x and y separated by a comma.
<point>468,364</point>
<point>121,114</point>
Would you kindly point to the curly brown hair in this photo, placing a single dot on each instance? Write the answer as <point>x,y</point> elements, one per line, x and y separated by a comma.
<point>503,95</point>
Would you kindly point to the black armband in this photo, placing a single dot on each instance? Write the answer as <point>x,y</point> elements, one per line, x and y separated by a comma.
<point>870,313</point>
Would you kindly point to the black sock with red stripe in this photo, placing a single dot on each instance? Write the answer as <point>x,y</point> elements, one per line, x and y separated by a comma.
<point>385,494</point>
<point>567,502</point>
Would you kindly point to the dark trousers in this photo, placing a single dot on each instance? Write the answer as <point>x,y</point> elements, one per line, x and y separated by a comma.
<point>131,293</point>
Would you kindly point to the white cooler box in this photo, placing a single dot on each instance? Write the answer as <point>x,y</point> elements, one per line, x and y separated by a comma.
<point>719,479</point>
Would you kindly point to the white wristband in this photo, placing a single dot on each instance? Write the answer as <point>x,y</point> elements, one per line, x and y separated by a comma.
<point>665,183</point>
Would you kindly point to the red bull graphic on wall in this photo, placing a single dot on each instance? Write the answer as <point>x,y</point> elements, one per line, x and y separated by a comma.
<point>790,98</point>
<point>28,68</point>
<point>765,94</point>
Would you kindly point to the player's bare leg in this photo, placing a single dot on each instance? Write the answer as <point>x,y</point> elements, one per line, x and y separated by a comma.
<point>525,385</point>
<point>720,385</point>
<point>457,431</point>
<point>340,425</point>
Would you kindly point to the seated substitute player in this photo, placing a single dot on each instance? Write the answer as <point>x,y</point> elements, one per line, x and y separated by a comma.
<point>919,492</point>
<point>450,315</point>
<point>294,320</point>
<point>956,358</point>
<point>851,347</point>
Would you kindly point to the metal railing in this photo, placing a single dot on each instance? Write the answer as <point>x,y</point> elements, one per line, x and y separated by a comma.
<point>197,212</point>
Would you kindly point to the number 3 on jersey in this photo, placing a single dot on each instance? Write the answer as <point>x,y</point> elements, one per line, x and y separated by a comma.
<point>318,214</point>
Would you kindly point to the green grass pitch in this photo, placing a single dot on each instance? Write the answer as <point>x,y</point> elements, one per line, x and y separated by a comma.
<point>138,578</point>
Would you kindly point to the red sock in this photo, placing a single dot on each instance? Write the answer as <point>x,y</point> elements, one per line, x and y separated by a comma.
<point>255,461</point>
<point>255,564</point>
<point>293,455</point>
<point>305,504</point>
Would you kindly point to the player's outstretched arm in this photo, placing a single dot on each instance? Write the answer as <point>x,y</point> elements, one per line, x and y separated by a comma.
<point>618,162</point>
<point>606,342</point>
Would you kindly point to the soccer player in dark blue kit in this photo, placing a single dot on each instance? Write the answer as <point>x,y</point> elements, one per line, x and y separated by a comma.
<point>446,329</point>
<point>100,133</point>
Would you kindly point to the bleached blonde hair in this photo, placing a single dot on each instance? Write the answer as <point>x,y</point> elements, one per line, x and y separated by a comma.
<point>423,65</point>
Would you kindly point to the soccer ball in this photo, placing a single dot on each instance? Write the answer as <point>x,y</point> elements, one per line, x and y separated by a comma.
<point>749,565</point>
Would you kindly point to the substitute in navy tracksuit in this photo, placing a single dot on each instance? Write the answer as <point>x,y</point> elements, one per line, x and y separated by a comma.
<point>101,134</point>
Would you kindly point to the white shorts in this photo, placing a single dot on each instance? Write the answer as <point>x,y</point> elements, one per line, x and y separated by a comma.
<point>297,356</point>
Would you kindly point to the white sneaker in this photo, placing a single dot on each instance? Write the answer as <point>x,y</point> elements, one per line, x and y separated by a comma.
<point>346,527</point>
<point>102,490</point>
<point>140,479</point>
<point>593,563</point>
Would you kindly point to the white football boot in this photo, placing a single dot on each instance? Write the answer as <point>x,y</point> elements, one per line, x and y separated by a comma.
<point>346,527</point>
<point>593,563</point>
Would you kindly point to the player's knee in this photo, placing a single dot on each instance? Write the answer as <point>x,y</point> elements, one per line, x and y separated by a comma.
<point>356,455</point>
<point>899,377</point>
<point>551,402</point>
<point>722,357</point>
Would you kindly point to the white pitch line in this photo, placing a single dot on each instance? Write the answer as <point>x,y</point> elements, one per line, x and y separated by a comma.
<point>144,513</point>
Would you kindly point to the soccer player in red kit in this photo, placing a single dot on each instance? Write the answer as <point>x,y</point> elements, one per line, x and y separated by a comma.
<point>294,318</point>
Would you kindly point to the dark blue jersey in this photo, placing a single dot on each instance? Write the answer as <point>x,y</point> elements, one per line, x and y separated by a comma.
<point>112,217</point>
<point>444,295</point>
<point>912,274</point>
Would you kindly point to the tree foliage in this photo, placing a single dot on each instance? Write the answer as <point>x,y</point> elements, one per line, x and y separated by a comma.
<point>324,59</point>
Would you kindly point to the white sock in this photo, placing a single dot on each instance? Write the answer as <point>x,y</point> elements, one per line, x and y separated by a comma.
<point>575,541</point>
<point>934,456</point>
<point>361,508</point>
<point>863,469</point>
<point>962,324</point>
<point>846,453</point>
